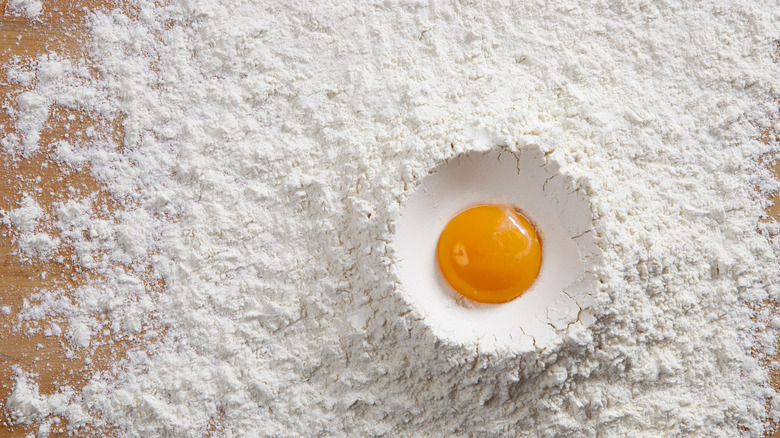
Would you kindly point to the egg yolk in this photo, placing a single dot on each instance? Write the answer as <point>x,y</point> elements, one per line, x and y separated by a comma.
<point>490,253</point>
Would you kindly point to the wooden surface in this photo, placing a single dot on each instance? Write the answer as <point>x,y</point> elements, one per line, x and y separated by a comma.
<point>60,29</point>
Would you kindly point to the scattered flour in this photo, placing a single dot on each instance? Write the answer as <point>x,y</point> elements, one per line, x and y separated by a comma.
<point>28,405</point>
<point>31,9</point>
<point>269,145</point>
<point>37,245</point>
<point>25,218</point>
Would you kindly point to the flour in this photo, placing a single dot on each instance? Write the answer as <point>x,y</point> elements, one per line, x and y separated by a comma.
<point>267,150</point>
<point>25,219</point>
<point>31,9</point>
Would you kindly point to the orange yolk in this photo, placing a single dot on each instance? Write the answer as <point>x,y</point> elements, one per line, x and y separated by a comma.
<point>490,253</point>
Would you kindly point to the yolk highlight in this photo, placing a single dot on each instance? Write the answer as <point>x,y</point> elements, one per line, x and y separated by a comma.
<point>490,253</point>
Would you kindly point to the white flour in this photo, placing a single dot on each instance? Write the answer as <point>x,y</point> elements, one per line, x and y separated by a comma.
<point>268,146</point>
<point>31,9</point>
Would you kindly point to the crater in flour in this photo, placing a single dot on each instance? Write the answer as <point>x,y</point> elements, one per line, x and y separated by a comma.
<point>551,199</point>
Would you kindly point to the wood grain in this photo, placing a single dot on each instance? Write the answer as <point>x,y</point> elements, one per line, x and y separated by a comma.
<point>61,29</point>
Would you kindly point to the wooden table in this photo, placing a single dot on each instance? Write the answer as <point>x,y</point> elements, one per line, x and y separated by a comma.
<point>61,29</point>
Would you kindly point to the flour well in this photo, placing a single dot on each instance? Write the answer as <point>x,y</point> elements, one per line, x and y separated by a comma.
<point>566,286</point>
<point>267,149</point>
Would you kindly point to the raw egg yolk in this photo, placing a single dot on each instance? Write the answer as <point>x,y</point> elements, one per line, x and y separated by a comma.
<point>490,253</point>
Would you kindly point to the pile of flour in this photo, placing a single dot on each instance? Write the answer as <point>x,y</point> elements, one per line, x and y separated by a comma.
<point>268,147</point>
